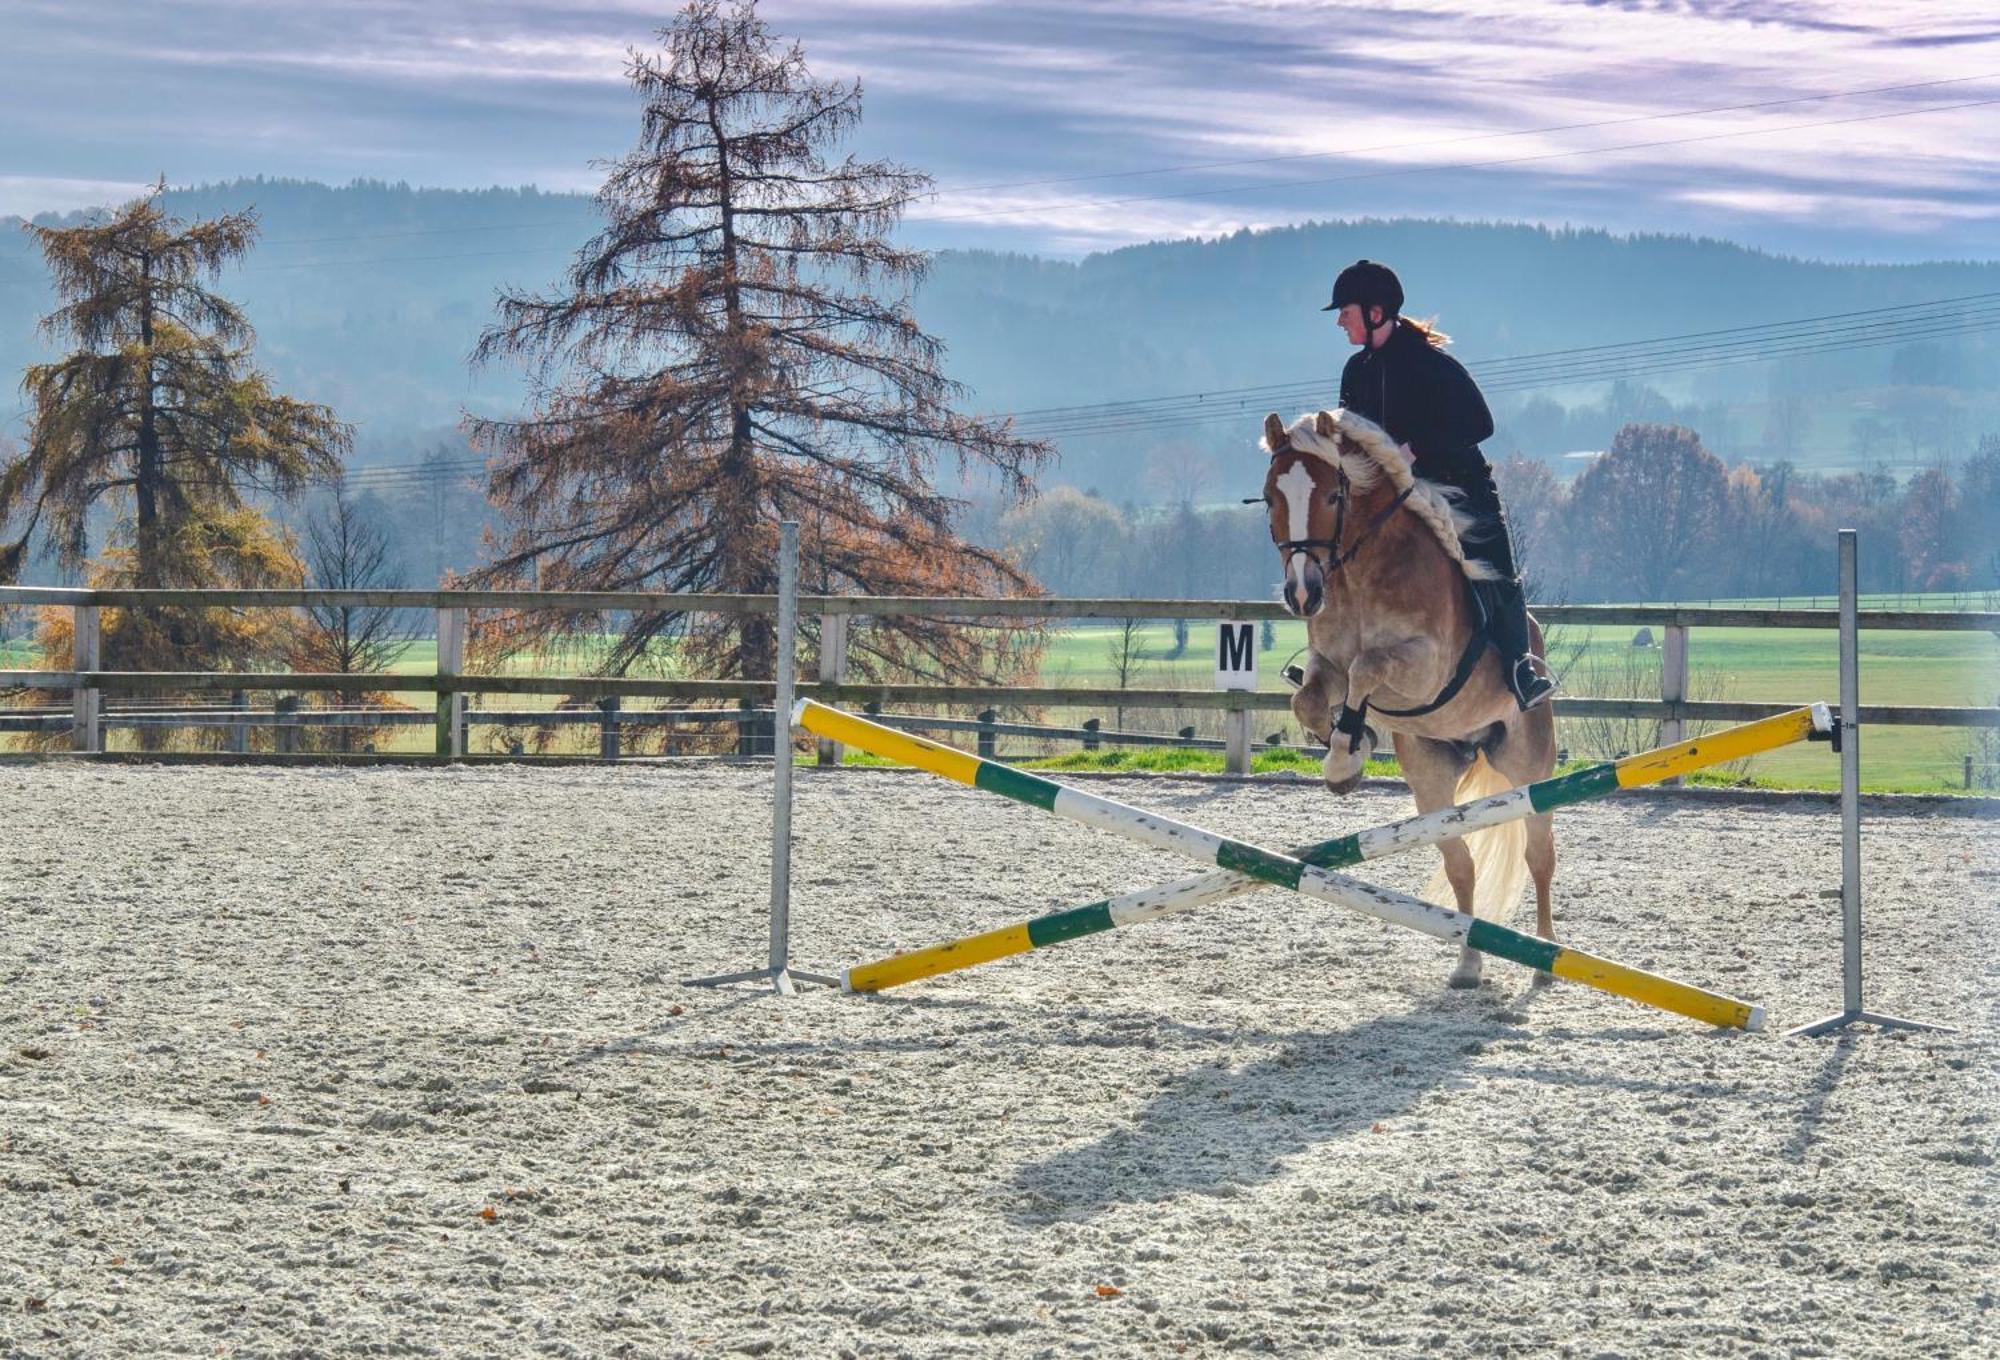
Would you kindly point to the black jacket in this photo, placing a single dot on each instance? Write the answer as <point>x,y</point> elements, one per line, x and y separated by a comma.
<point>1424,398</point>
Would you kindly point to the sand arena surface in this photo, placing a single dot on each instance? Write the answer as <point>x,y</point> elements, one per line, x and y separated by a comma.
<point>395,1061</point>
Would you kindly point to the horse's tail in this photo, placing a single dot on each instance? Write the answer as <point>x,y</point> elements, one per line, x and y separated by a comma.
<point>1499,853</point>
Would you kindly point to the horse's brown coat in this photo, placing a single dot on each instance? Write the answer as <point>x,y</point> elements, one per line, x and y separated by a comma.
<point>1389,626</point>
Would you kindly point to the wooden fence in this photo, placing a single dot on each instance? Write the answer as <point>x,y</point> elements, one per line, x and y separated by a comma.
<point>87,682</point>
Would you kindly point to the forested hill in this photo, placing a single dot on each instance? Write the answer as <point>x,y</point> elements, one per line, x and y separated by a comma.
<point>369,297</point>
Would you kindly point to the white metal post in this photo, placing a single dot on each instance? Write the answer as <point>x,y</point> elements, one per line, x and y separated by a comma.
<point>1849,734</point>
<point>86,701</point>
<point>1850,772</point>
<point>781,754</point>
<point>779,971</point>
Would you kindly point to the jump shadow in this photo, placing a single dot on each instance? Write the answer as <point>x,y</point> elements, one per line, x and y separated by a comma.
<point>1215,1130</point>
<point>1807,1131</point>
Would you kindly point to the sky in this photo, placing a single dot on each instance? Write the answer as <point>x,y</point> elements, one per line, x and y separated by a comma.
<point>1068,127</point>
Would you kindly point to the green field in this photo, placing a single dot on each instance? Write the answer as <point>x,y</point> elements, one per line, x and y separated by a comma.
<point>1765,664</point>
<point>1777,665</point>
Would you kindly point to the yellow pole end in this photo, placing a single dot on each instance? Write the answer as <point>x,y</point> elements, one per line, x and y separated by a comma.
<point>898,969</point>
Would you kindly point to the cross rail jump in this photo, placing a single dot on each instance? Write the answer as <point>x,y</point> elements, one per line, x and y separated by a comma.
<point>1254,866</point>
<point>1393,838</point>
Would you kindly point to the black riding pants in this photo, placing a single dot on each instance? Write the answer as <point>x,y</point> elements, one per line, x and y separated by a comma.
<point>1492,542</point>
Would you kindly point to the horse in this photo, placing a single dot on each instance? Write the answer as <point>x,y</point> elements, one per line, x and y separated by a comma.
<point>1374,561</point>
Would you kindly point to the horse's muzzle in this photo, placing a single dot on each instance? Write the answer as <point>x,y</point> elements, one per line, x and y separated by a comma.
<point>1305,586</point>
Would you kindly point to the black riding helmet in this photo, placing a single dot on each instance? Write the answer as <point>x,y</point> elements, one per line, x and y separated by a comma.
<point>1367,284</point>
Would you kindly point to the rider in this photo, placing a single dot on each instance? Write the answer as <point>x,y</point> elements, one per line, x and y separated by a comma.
<point>1403,380</point>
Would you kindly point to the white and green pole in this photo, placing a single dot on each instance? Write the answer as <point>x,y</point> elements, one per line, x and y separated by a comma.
<point>1429,828</point>
<point>1239,857</point>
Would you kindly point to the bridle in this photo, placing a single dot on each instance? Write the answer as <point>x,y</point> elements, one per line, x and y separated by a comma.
<point>1335,558</point>
<point>1352,721</point>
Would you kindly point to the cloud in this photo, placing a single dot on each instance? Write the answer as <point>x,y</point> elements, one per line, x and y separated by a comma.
<point>29,195</point>
<point>1060,124</point>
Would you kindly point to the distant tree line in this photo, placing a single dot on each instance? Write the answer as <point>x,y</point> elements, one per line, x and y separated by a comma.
<point>1657,516</point>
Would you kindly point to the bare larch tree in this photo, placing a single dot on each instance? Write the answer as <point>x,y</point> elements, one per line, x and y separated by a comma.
<point>720,359</point>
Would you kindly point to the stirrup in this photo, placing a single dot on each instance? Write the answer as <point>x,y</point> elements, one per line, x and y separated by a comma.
<point>1294,675</point>
<point>1530,686</point>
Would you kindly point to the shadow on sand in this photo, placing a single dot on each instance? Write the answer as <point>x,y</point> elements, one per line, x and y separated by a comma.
<point>1216,1129</point>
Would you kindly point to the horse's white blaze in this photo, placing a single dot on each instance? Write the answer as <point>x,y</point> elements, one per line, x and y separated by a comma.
<point>1296,486</point>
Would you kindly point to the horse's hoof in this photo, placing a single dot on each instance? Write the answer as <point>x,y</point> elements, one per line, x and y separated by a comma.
<point>1544,979</point>
<point>1460,982</point>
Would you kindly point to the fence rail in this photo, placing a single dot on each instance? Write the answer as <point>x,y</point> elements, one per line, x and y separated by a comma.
<point>88,684</point>
<point>966,607</point>
<point>890,696</point>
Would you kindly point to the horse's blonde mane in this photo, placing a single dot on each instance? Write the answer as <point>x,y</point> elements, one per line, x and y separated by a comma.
<point>1365,452</point>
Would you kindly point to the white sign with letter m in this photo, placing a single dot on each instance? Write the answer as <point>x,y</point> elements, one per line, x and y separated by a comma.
<point>1236,656</point>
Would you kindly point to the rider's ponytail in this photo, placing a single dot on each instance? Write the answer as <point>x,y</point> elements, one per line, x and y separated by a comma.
<point>1429,330</point>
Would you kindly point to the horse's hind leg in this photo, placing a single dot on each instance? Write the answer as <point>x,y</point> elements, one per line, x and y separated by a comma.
<point>1541,855</point>
<point>1526,753</point>
<point>1432,769</point>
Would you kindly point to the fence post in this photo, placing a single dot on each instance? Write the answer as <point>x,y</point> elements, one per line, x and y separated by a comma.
<point>1236,740</point>
<point>746,727</point>
<point>832,671</point>
<point>86,701</point>
<point>1968,771</point>
<point>1091,727</point>
<point>987,718</point>
<point>1673,686</point>
<point>607,728</point>
<point>239,728</point>
<point>286,710</point>
<point>450,663</point>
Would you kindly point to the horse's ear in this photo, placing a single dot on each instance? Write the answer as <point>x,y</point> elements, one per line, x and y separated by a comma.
<point>1326,424</point>
<point>1274,433</point>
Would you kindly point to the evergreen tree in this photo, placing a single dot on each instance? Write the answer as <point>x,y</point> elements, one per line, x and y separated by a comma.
<point>159,413</point>
<point>719,360</point>
<point>157,406</point>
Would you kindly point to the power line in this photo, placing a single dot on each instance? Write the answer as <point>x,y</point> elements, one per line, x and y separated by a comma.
<point>1244,407</point>
<point>1572,367</point>
<point>1762,342</point>
<point>1888,313</point>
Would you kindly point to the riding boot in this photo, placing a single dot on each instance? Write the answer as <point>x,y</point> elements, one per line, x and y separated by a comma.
<point>1507,626</point>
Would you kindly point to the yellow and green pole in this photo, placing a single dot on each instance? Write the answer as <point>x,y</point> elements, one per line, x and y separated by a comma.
<point>1631,772</point>
<point>1239,858</point>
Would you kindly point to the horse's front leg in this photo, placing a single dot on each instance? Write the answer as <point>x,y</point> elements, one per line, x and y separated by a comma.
<point>1313,702</point>
<point>1354,738</point>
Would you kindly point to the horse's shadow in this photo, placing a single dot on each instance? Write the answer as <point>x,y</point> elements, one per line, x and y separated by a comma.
<point>1215,1130</point>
